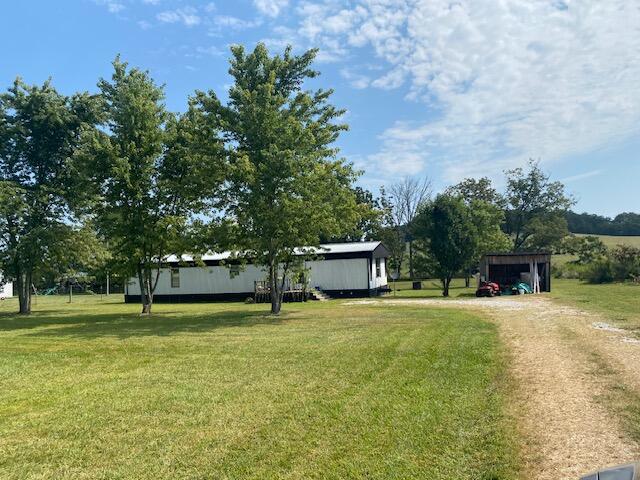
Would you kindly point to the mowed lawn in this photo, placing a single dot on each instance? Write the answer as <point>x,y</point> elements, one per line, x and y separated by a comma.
<point>619,302</point>
<point>93,391</point>
<point>431,288</point>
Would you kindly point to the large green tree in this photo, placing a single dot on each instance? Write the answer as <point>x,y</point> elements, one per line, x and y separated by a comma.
<point>286,187</point>
<point>479,189</point>
<point>369,225</point>
<point>153,172</point>
<point>536,207</point>
<point>446,227</point>
<point>40,130</point>
<point>487,216</point>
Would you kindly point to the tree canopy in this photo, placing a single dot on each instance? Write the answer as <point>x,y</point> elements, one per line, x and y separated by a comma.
<point>152,171</point>
<point>40,130</point>
<point>286,187</point>
<point>447,229</point>
<point>535,209</point>
<point>480,189</point>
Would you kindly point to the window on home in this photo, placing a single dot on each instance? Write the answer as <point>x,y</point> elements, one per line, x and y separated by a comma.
<point>175,278</point>
<point>378,270</point>
<point>234,271</point>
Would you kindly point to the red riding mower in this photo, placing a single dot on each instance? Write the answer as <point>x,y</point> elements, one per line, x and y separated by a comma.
<point>488,289</point>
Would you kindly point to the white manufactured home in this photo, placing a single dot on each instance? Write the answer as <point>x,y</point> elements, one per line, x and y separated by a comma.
<point>6,289</point>
<point>357,269</point>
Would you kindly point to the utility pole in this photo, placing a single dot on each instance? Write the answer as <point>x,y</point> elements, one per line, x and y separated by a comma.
<point>394,276</point>
<point>107,284</point>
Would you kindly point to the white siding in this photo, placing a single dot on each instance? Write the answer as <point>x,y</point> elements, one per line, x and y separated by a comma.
<point>347,274</point>
<point>381,281</point>
<point>6,290</point>
<point>197,280</point>
<point>343,274</point>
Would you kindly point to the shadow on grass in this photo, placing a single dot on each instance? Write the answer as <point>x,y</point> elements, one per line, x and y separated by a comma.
<point>433,289</point>
<point>88,326</point>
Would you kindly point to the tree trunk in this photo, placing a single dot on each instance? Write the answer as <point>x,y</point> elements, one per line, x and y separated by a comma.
<point>23,282</point>
<point>146,308</point>
<point>467,278</point>
<point>411,259</point>
<point>274,288</point>
<point>445,284</point>
<point>146,297</point>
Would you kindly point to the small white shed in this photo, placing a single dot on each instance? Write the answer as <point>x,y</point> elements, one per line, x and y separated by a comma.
<point>356,269</point>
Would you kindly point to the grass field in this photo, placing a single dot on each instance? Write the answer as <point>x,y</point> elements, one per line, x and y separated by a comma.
<point>619,302</point>
<point>328,390</point>
<point>431,288</point>
<point>613,240</point>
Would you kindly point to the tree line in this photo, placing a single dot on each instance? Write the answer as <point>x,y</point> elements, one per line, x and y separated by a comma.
<point>624,224</point>
<point>447,235</point>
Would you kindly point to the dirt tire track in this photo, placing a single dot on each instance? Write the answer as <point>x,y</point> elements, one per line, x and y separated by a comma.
<point>566,431</point>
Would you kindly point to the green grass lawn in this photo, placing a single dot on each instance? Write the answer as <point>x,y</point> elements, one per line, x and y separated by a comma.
<point>619,302</point>
<point>431,288</point>
<point>93,391</point>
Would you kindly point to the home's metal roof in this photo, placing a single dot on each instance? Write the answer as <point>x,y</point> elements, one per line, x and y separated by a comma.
<point>350,247</point>
<point>327,248</point>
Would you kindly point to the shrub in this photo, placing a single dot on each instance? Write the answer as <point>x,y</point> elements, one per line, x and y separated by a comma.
<point>600,271</point>
<point>569,270</point>
<point>626,261</point>
<point>621,264</point>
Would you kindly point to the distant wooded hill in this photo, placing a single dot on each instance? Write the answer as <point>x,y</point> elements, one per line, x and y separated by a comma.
<point>623,224</point>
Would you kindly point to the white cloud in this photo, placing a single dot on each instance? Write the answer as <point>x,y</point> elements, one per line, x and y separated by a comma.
<point>115,7</point>
<point>111,5</point>
<point>187,16</point>
<point>398,162</point>
<point>151,2</point>
<point>212,51</point>
<point>271,8</point>
<point>501,80</point>
<point>222,22</point>
<point>356,80</point>
<point>581,176</point>
<point>144,25</point>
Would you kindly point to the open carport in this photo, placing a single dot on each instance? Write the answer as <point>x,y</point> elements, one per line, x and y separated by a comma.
<point>509,268</point>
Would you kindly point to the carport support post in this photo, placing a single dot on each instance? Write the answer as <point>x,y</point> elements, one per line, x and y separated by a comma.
<point>533,276</point>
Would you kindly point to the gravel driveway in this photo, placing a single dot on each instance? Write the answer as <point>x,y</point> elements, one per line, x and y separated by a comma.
<point>567,430</point>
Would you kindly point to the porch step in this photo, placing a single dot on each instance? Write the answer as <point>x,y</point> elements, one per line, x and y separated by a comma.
<point>318,295</point>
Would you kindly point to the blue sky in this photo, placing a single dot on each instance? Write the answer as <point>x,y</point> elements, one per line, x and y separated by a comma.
<point>437,88</point>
